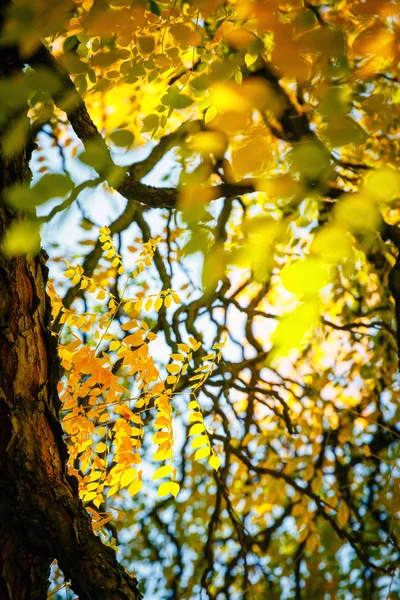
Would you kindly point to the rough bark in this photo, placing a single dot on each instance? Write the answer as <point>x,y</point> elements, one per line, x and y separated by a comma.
<point>41,516</point>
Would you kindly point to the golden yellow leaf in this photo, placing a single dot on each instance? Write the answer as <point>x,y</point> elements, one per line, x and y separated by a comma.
<point>158,304</point>
<point>101,447</point>
<point>135,339</point>
<point>343,514</point>
<point>184,348</point>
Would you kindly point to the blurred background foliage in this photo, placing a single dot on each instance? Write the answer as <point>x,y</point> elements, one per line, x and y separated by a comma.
<point>259,141</point>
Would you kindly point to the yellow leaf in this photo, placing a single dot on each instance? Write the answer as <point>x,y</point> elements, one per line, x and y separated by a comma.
<point>128,477</point>
<point>171,379</point>
<point>195,416</point>
<point>214,462</point>
<point>113,490</point>
<point>89,496</point>
<point>165,488</point>
<point>167,301</point>
<point>358,213</point>
<point>197,428</point>
<point>162,472</point>
<point>383,185</point>
<point>199,441</point>
<point>184,348</point>
<point>163,454</point>
<point>101,447</point>
<point>202,453</point>
<point>135,487</point>
<point>95,475</point>
<point>175,487</point>
<point>173,369</point>
<point>158,304</point>
<point>69,273</point>
<point>115,345</point>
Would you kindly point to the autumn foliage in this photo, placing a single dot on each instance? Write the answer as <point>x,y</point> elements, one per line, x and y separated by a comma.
<point>217,187</point>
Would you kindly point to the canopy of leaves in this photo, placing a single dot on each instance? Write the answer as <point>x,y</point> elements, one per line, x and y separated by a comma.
<point>232,331</point>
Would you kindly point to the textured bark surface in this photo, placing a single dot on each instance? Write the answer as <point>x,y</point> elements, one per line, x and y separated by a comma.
<point>41,516</point>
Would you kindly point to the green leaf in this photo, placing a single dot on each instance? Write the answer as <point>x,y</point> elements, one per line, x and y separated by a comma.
<point>16,137</point>
<point>51,185</point>
<point>178,101</point>
<point>94,155</point>
<point>122,138</point>
<point>149,123</point>
<point>154,8</point>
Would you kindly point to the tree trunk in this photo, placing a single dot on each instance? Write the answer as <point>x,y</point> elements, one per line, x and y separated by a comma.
<point>41,516</point>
